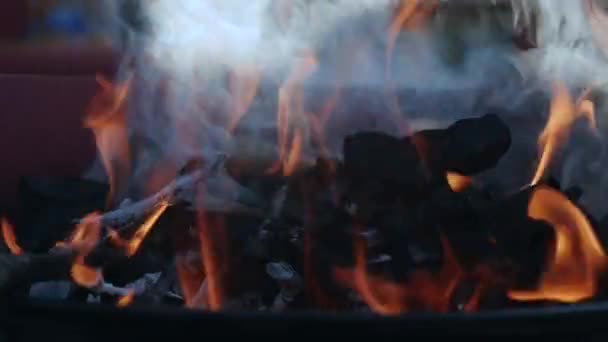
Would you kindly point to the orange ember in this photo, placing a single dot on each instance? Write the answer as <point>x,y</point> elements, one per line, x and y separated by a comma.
<point>106,117</point>
<point>563,114</point>
<point>84,275</point>
<point>141,233</point>
<point>8,233</point>
<point>458,182</point>
<point>83,241</point>
<point>578,256</point>
<point>125,300</point>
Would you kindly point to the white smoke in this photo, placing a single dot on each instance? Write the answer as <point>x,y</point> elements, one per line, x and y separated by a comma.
<point>212,36</point>
<point>187,47</point>
<point>567,46</point>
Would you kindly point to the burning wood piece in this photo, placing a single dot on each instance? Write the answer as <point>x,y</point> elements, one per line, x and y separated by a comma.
<point>128,214</point>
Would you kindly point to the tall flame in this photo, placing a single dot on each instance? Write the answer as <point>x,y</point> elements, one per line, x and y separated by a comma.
<point>411,14</point>
<point>190,280</point>
<point>244,84</point>
<point>106,117</point>
<point>8,233</point>
<point>563,114</point>
<point>578,256</point>
<point>214,253</point>
<point>290,105</point>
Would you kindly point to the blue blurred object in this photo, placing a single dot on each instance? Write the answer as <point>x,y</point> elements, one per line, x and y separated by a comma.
<point>65,20</point>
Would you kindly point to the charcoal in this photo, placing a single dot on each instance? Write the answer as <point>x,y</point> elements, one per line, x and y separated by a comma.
<point>381,168</point>
<point>517,237</point>
<point>468,146</point>
<point>311,194</point>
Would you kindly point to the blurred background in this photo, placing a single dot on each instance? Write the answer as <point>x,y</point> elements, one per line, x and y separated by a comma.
<point>48,21</point>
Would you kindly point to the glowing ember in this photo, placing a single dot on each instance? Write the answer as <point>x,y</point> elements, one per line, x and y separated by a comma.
<point>83,241</point>
<point>578,256</point>
<point>125,300</point>
<point>458,182</point>
<point>563,114</point>
<point>8,233</point>
<point>141,233</point>
<point>84,275</point>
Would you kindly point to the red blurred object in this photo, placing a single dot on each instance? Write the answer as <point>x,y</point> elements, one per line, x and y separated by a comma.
<point>44,94</point>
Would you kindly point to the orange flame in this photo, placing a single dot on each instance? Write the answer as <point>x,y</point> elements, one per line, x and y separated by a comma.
<point>141,233</point>
<point>8,233</point>
<point>563,114</point>
<point>411,14</point>
<point>212,244</point>
<point>291,103</point>
<point>243,87</point>
<point>83,241</point>
<point>423,288</point>
<point>458,182</point>
<point>290,164</point>
<point>85,275</point>
<point>578,256</point>
<point>106,117</point>
<point>190,280</point>
<point>126,300</point>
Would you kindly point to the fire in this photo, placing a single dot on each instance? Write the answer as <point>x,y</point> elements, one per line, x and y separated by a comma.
<point>141,233</point>
<point>126,300</point>
<point>294,154</point>
<point>212,244</point>
<point>190,280</point>
<point>290,105</point>
<point>423,289</point>
<point>85,275</point>
<point>83,241</point>
<point>563,114</point>
<point>106,117</point>
<point>458,182</point>
<point>243,87</point>
<point>8,233</point>
<point>578,256</point>
<point>411,14</point>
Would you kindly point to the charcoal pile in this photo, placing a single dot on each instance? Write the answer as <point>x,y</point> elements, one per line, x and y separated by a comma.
<point>396,225</point>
